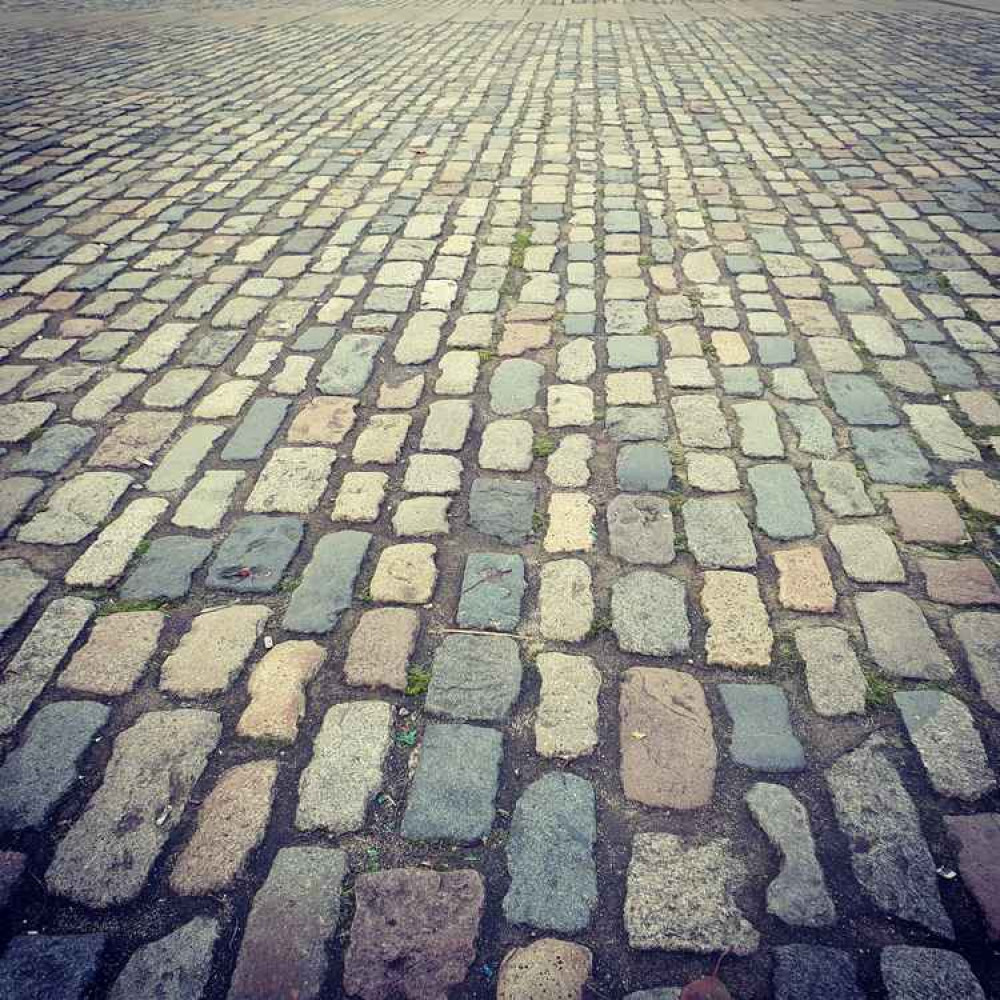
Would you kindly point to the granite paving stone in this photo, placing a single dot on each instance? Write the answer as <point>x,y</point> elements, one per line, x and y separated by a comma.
<point>44,966</point>
<point>491,593</point>
<point>277,691</point>
<point>174,967</point>
<point>253,556</point>
<point>811,972</point>
<point>164,570</point>
<point>666,633</point>
<point>782,509</point>
<point>911,973</point>
<point>326,589</point>
<point>899,638</point>
<point>979,634</point>
<point>762,737</point>
<point>474,677</point>
<point>718,534</point>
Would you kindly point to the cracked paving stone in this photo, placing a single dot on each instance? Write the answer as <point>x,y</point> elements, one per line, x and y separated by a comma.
<point>277,691</point>
<point>798,895</point>
<point>718,534</point>
<point>679,896</point>
<point>326,589</point>
<point>253,556</point>
<point>550,855</point>
<point>231,824</point>
<point>474,677</point>
<point>292,918</point>
<point>211,654</point>
<point>174,967</point>
<point>452,795</point>
<point>762,738</point>
<point>668,752</point>
<point>107,854</point>
<point>641,529</point>
<point>668,632</point>
<point>414,932</point>
<point>39,772</point>
<point>889,856</point>
<point>346,769</point>
<point>492,591</point>
<point>951,750</point>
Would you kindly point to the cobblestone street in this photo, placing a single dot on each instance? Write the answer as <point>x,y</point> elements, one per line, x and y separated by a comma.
<point>499,500</point>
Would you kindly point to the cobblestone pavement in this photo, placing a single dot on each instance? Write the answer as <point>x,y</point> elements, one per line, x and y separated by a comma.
<point>499,501</point>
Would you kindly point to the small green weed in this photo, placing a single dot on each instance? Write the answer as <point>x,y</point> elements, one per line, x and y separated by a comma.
<point>418,680</point>
<point>543,446</point>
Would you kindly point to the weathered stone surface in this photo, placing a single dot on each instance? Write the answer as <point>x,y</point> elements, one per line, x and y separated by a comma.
<point>414,933</point>
<point>660,993</point>
<point>718,534</point>
<point>292,918</point>
<point>405,574</point>
<point>759,435</point>
<point>668,754</point>
<point>804,582</point>
<point>867,553</point>
<point>798,895</point>
<point>899,638</point>
<point>292,482</point>
<point>859,400</point>
<point>569,465</point>
<point>115,655</point>
<point>455,784</point>
<point>231,824</point>
<point>636,423</point>
<point>491,592</point>
<point>842,489</point>
<point>679,896</point>
<point>889,855</point>
<point>978,491</point>
<point>277,691</point>
<point>506,446</point>
<point>739,631</point>
<point>106,856</point>
<point>937,430</point>
<point>814,972</point>
<point>762,738</point>
<point>514,386</point>
<point>323,420</point>
<point>782,510</point>
<point>941,728</point>
<point>19,420</point>
<point>977,839</point>
<point>380,648</point>
<point>76,508</point>
<point>16,495</point>
<point>547,969</point>
<point>360,497</point>
<point>212,652</point>
<point>105,559</point>
<point>182,459</point>
<point>56,446</point>
<point>327,586</point>
<point>834,678</point>
<point>175,967</point>
<point>434,474</point>
<point>346,767</point>
<point>566,720</point>
<point>256,430</point>
<point>502,508</point>
<point>253,556</point>
<point>641,529</point>
<point>165,569</point>
<point>47,967</point>
<point>979,634</point>
<point>550,855</point>
<point>633,597</point>
<point>566,602</point>
<point>32,666</point>
<point>926,516</point>
<point>447,425</point>
<point>643,466</point>
<point>890,456</point>
<point>570,523</point>
<point>474,677</point>
<point>135,440</point>
<point>206,504</point>
<point>38,772</point>
<point>350,365</point>
<point>927,974</point>
<point>959,581</point>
